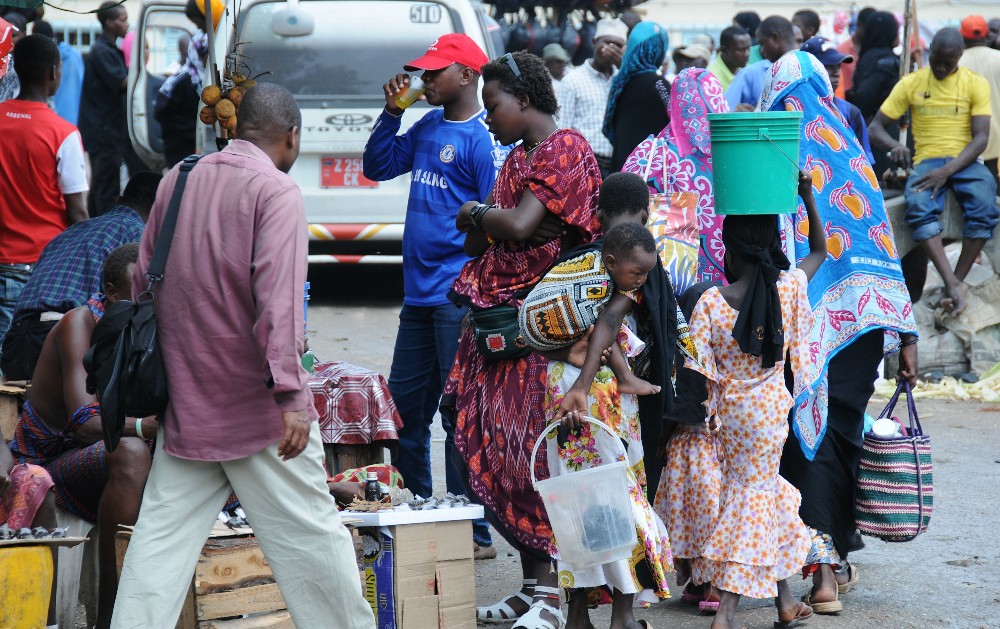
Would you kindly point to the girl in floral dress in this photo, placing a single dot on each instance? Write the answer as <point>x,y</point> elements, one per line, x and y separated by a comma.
<point>744,333</point>
<point>642,577</point>
<point>678,162</point>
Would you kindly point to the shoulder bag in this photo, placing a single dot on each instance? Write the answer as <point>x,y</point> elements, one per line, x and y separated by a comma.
<point>124,363</point>
<point>895,490</point>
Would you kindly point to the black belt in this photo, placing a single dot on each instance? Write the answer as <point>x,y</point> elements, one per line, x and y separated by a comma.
<point>24,268</point>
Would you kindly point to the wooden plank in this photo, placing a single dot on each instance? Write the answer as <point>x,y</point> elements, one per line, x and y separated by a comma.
<point>274,620</point>
<point>248,600</point>
<point>349,457</point>
<point>121,545</point>
<point>10,409</point>
<point>187,619</point>
<point>330,459</point>
<point>230,563</point>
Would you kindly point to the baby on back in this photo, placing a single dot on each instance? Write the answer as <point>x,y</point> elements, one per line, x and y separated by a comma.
<point>598,287</point>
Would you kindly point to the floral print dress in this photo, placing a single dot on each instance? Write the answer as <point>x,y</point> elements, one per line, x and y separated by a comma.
<point>758,538</point>
<point>644,573</point>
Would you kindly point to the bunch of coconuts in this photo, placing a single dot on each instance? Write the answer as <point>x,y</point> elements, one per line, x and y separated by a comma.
<point>224,106</point>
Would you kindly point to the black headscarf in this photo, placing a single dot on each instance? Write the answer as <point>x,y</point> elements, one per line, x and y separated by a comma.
<point>759,330</point>
<point>881,29</point>
<point>877,68</point>
<point>750,21</point>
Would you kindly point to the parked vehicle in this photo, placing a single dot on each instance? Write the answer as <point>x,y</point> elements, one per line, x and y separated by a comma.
<point>334,56</point>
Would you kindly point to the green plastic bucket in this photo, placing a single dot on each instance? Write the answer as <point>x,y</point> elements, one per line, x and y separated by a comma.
<point>750,173</point>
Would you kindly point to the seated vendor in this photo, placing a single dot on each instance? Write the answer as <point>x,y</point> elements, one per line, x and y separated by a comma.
<point>350,484</point>
<point>60,429</point>
<point>26,501</point>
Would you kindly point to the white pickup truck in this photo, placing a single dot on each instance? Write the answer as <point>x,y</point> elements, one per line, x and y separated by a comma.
<point>334,56</point>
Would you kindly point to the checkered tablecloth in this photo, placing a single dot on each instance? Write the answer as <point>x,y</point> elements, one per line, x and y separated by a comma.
<point>354,404</point>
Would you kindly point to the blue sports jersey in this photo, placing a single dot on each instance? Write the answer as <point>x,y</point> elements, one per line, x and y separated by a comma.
<point>451,163</point>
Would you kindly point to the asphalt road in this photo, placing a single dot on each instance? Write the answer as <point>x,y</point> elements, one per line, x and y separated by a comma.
<point>945,578</point>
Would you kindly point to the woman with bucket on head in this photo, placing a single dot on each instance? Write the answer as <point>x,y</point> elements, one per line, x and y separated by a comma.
<point>744,333</point>
<point>861,312</point>
<point>543,202</point>
<point>677,167</point>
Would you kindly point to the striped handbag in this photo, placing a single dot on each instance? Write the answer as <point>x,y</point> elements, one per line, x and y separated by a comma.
<point>895,491</point>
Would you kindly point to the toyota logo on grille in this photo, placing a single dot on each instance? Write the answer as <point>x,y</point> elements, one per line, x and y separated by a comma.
<point>348,120</point>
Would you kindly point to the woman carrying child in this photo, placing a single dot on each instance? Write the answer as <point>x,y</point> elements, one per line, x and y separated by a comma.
<point>633,319</point>
<point>744,333</point>
<point>542,204</point>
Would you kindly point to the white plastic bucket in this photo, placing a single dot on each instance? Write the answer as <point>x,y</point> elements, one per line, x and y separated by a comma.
<point>590,510</point>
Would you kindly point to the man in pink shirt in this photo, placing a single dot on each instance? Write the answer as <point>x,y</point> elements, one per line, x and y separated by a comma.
<point>231,326</point>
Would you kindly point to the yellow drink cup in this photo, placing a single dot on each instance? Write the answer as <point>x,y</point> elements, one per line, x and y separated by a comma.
<point>411,93</point>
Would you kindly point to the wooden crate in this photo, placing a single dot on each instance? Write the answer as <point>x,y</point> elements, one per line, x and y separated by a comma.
<point>231,578</point>
<point>341,457</point>
<point>11,397</point>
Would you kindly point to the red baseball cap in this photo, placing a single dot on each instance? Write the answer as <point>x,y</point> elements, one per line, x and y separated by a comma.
<point>448,49</point>
<point>975,27</point>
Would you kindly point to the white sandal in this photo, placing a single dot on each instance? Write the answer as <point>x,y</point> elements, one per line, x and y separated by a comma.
<point>502,612</point>
<point>533,619</point>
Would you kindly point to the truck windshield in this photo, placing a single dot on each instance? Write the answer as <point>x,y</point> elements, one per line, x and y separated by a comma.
<point>356,46</point>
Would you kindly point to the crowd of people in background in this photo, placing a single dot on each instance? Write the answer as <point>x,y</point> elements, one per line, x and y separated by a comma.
<point>741,471</point>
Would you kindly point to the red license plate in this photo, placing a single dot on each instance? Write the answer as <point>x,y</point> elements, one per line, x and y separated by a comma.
<point>344,172</point>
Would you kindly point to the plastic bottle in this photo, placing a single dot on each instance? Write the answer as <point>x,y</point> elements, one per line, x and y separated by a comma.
<point>308,358</point>
<point>411,93</point>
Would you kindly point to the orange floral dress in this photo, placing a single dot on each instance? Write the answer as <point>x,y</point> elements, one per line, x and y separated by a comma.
<point>758,538</point>
<point>687,498</point>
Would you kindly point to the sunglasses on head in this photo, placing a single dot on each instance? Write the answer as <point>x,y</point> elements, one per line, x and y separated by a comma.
<point>509,60</point>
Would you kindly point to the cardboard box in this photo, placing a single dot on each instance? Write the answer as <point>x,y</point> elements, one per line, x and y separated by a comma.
<point>421,574</point>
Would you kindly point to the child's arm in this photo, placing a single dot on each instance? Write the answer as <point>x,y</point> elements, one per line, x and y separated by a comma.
<point>605,331</point>
<point>817,236</point>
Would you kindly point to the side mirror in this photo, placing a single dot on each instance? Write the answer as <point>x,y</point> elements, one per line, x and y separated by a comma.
<point>292,21</point>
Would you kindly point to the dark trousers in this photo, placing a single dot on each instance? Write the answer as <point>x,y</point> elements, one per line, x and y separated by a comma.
<point>827,482</point>
<point>22,345</point>
<point>105,176</point>
<point>426,345</point>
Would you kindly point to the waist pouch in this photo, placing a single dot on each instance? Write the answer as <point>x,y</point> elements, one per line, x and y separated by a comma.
<point>498,336</point>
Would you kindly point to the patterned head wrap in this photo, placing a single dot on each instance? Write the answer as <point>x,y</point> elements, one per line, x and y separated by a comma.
<point>647,47</point>
<point>860,287</point>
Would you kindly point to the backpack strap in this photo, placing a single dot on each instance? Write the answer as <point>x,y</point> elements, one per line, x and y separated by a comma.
<point>155,272</point>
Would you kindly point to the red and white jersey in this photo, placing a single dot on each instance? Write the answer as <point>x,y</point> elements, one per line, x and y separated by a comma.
<point>42,159</point>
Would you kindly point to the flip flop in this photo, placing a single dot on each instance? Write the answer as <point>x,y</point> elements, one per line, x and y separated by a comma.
<point>710,602</point>
<point>853,577</point>
<point>691,597</point>
<point>800,615</point>
<point>645,624</point>
<point>829,607</point>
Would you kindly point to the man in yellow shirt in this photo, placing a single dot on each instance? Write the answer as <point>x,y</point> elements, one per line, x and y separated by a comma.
<point>950,109</point>
<point>733,55</point>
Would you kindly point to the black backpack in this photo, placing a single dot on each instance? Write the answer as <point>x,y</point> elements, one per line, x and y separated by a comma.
<point>124,364</point>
